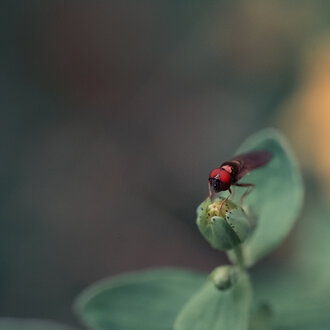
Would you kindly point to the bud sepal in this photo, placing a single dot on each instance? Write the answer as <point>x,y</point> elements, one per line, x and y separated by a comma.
<point>224,226</point>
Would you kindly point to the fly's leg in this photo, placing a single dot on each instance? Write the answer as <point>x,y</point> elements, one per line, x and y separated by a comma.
<point>225,200</point>
<point>232,192</point>
<point>249,186</point>
<point>210,191</point>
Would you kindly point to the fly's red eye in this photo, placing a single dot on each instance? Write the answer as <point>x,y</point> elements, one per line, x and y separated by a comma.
<point>224,176</point>
<point>215,173</point>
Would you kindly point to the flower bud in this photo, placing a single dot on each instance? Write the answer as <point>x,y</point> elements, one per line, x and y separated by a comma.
<point>224,227</point>
<point>224,277</point>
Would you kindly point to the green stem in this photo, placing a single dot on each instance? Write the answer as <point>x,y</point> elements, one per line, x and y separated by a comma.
<point>239,257</point>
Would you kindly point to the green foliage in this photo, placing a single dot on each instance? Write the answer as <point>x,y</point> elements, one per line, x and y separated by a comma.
<point>138,301</point>
<point>295,303</point>
<point>261,317</point>
<point>277,198</point>
<point>161,299</point>
<point>215,309</point>
<point>300,295</point>
<point>30,324</point>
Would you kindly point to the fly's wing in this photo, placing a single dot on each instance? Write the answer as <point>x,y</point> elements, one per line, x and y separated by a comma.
<point>250,161</point>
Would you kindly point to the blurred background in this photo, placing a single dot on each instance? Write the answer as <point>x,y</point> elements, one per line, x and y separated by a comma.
<point>114,112</point>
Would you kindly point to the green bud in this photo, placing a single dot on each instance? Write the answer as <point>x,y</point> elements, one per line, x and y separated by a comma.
<point>224,277</point>
<point>223,227</point>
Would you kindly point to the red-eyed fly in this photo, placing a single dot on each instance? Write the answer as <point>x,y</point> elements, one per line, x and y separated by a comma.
<point>229,173</point>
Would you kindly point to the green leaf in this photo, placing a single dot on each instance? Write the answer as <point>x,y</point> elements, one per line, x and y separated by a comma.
<point>277,198</point>
<point>138,301</point>
<point>214,309</point>
<point>313,243</point>
<point>30,324</point>
<point>299,293</point>
<point>261,317</point>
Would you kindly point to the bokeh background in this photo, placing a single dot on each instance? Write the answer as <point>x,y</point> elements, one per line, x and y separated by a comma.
<point>112,114</point>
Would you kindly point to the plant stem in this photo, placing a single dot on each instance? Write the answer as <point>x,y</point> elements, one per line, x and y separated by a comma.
<point>239,256</point>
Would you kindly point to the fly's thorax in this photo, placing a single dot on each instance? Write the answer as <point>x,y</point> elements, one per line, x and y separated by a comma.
<point>233,167</point>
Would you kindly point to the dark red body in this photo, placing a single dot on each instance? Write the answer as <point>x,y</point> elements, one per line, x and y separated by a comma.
<point>230,172</point>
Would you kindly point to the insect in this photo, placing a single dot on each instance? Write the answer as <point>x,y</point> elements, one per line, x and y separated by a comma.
<point>229,173</point>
